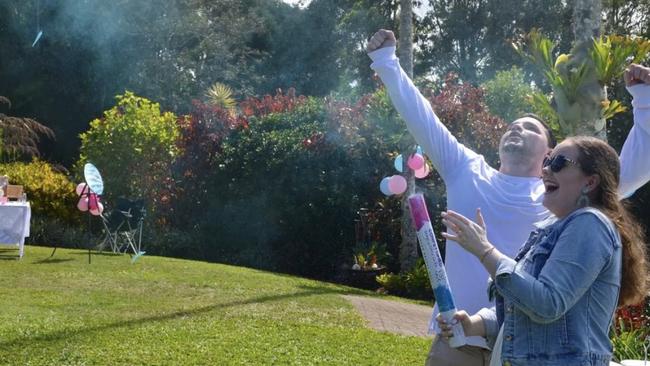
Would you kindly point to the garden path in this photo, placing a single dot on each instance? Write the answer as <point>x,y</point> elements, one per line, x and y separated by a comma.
<point>397,317</point>
<point>393,316</point>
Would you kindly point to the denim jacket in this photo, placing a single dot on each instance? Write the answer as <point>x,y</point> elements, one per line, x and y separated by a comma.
<point>558,300</point>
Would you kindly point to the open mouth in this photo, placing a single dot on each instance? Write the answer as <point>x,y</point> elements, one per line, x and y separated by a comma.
<point>550,187</point>
<point>514,137</point>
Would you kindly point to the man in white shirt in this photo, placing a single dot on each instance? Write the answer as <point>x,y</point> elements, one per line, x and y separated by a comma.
<point>510,198</point>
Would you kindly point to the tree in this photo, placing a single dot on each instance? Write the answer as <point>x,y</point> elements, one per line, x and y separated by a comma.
<point>169,51</point>
<point>591,93</point>
<point>472,38</point>
<point>626,17</point>
<point>578,80</point>
<point>406,36</point>
<point>133,145</point>
<point>409,247</point>
<point>505,94</point>
<point>19,136</point>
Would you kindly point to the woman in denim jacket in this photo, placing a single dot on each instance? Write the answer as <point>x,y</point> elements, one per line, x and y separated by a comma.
<point>556,299</point>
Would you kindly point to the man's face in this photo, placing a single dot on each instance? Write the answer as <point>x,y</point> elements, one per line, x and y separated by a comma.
<point>525,137</point>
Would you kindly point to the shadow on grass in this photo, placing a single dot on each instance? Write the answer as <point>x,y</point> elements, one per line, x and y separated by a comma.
<point>9,254</point>
<point>50,260</point>
<point>69,333</point>
<point>83,251</point>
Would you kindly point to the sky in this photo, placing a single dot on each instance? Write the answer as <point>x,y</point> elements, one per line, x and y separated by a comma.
<point>303,3</point>
<point>295,2</point>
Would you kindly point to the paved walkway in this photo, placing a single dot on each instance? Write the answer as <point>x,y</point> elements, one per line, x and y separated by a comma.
<point>402,318</point>
<point>393,316</point>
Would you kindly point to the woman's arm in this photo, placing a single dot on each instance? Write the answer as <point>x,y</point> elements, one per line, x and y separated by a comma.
<point>583,248</point>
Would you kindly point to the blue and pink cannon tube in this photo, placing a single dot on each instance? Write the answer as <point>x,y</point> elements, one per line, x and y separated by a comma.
<point>435,267</point>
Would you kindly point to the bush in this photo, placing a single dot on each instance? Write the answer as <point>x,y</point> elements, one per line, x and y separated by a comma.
<point>279,185</point>
<point>629,343</point>
<point>199,145</point>
<point>461,107</point>
<point>51,231</point>
<point>280,177</point>
<point>412,284</point>
<point>264,184</point>
<point>55,218</point>
<point>133,146</point>
<point>50,193</point>
<point>630,334</point>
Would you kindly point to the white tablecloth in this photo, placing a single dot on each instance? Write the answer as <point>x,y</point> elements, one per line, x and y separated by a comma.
<point>14,224</point>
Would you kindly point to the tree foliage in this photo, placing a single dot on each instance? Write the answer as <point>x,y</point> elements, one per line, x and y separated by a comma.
<point>461,107</point>
<point>133,146</point>
<point>578,80</point>
<point>472,38</point>
<point>506,94</point>
<point>50,192</point>
<point>19,136</point>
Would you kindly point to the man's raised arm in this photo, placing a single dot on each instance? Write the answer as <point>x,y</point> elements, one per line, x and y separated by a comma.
<point>635,155</point>
<point>440,145</point>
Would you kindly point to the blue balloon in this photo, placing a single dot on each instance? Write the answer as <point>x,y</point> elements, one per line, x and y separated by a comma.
<point>383,186</point>
<point>399,163</point>
<point>93,178</point>
<point>419,150</point>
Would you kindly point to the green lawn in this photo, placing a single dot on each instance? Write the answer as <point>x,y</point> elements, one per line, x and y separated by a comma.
<point>164,311</point>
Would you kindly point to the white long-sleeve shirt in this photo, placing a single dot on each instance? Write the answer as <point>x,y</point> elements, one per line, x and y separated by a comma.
<point>511,206</point>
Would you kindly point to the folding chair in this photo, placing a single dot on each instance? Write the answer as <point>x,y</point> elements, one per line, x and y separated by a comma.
<point>123,227</point>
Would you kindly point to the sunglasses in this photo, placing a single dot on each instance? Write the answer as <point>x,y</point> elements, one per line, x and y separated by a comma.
<point>557,163</point>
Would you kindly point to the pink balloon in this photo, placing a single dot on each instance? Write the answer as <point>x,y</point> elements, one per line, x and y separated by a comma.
<point>81,188</point>
<point>416,161</point>
<point>93,200</point>
<point>423,172</point>
<point>82,205</point>
<point>397,184</point>
<point>94,212</point>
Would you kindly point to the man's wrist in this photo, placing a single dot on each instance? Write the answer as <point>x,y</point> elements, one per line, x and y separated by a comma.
<point>640,95</point>
<point>383,53</point>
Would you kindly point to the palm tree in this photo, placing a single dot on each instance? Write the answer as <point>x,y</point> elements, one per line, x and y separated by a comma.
<point>19,136</point>
<point>591,94</point>
<point>579,104</point>
<point>220,95</point>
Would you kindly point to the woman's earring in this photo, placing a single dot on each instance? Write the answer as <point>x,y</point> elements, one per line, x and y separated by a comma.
<point>583,200</point>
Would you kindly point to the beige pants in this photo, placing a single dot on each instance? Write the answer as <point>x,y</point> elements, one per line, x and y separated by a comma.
<point>443,355</point>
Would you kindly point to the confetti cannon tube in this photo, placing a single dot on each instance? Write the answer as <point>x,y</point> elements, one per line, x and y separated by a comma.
<point>435,267</point>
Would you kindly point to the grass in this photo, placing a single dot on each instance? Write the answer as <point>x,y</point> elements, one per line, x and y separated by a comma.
<point>164,311</point>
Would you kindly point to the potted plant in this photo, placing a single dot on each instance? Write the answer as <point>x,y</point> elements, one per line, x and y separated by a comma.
<point>367,265</point>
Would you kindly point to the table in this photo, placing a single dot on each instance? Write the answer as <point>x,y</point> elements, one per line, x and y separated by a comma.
<point>14,224</point>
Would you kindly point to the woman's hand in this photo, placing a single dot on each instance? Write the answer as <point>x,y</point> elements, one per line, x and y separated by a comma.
<point>472,325</point>
<point>470,235</point>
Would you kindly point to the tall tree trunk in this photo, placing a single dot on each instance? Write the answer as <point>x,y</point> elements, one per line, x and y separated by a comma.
<point>408,254</point>
<point>408,251</point>
<point>591,95</point>
<point>405,52</point>
<point>586,20</point>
